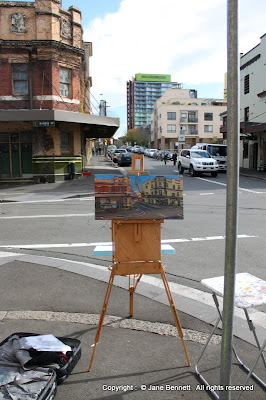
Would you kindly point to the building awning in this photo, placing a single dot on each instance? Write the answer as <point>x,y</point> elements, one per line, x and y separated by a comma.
<point>252,127</point>
<point>93,126</point>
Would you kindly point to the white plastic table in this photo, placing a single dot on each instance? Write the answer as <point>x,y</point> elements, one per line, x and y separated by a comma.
<point>250,291</point>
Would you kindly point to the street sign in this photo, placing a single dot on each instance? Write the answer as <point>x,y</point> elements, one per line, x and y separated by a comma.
<point>41,124</point>
<point>182,139</point>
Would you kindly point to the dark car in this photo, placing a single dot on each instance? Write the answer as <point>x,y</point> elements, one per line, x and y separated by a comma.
<point>124,159</point>
<point>116,154</point>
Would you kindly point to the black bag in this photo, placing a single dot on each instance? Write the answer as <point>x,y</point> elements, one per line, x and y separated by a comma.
<point>26,378</point>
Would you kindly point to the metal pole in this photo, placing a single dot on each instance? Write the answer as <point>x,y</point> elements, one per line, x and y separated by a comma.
<point>231,196</point>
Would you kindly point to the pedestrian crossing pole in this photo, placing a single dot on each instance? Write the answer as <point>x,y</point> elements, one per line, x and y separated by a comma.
<point>231,195</point>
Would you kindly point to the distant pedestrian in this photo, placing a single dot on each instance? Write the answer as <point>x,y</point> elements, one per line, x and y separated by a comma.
<point>96,151</point>
<point>93,151</point>
<point>100,151</point>
<point>174,158</point>
<point>165,158</point>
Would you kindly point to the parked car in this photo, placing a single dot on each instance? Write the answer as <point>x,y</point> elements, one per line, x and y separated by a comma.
<point>116,154</point>
<point>136,149</point>
<point>197,162</point>
<point>124,159</point>
<point>146,152</point>
<point>111,149</point>
<point>151,151</point>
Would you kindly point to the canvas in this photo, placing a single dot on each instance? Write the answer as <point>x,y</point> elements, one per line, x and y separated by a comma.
<point>137,197</point>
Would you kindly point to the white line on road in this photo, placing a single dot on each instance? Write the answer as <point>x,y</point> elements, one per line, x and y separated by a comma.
<point>205,194</point>
<point>48,216</point>
<point>52,245</point>
<point>224,184</point>
<point>14,202</point>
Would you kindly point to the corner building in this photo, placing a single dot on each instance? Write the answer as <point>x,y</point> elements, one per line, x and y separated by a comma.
<point>45,116</point>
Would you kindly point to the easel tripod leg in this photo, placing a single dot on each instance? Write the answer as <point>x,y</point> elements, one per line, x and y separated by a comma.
<point>103,312</point>
<point>176,318</point>
<point>132,289</point>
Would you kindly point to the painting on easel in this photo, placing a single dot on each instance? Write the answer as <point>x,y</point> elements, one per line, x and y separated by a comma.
<point>138,197</point>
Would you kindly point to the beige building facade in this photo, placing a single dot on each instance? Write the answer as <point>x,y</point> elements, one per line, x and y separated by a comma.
<point>180,120</point>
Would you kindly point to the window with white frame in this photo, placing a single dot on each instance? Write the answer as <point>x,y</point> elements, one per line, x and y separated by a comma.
<point>65,79</point>
<point>171,116</point>
<point>208,128</point>
<point>171,128</point>
<point>20,79</point>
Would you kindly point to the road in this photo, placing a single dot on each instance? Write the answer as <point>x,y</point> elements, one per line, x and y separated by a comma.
<point>66,228</point>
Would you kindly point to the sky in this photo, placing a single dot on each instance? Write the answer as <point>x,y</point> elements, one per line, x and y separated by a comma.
<point>187,39</point>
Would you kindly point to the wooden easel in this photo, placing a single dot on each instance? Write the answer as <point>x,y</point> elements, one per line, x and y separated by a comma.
<point>136,251</point>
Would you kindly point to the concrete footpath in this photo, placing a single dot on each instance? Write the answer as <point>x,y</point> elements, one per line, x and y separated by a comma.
<point>137,358</point>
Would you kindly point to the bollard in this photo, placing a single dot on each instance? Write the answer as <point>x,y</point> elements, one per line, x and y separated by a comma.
<point>72,169</point>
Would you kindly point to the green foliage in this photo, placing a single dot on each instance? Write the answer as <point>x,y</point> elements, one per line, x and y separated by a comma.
<point>138,136</point>
<point>214,140</point>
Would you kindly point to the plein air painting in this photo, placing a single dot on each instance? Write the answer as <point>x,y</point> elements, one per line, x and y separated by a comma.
<point>138,197</point>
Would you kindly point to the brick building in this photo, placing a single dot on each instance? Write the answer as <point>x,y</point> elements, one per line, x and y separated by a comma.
<point>45,117</point>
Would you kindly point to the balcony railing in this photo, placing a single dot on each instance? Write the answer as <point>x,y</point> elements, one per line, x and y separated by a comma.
<point>195,132</point>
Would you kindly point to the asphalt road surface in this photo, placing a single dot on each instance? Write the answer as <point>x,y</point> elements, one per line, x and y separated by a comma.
<point>66,228</point>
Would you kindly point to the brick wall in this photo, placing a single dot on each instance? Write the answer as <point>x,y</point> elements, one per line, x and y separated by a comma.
<point>45,86</point>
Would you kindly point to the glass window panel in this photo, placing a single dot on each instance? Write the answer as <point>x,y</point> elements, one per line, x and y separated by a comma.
<point>208,116</point>
<point>20,78</point>
<point>4,138</point>
<point>26,138</point>
<point>64,141</point>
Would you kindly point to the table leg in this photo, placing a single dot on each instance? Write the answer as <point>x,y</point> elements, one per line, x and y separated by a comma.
<point>253,367</point>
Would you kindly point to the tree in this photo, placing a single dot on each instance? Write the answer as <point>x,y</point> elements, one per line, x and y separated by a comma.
<point>138,136</point>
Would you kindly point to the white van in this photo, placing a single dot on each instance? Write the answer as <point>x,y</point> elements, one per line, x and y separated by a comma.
<point>217,151</point>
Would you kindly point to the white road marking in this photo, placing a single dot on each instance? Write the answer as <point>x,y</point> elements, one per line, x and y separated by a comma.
<point>48,216</point>
<point>4,254</point>
<point>205,194</point>
<point>14,202</point>
<point>52,245</point>
<point>224,184</point>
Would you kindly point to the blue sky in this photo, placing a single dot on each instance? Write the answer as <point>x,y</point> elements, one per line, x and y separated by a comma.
<point>186,39</point>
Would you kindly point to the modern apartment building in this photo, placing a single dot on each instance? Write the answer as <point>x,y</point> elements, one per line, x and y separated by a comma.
<point>142,92</point>
<point>45,116</point>
<point>180,119</point>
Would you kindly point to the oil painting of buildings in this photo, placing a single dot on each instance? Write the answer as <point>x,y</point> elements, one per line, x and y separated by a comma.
<point>138,197</point>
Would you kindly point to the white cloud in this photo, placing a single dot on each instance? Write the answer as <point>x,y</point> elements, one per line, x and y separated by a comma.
<point>186,39</point>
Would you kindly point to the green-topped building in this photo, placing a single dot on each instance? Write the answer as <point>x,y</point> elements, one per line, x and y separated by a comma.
<point>142,92</point>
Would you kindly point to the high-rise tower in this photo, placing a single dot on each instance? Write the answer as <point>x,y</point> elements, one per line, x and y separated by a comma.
<point>142,92</point>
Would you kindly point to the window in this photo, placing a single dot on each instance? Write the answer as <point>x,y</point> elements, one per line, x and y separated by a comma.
<point>171,128</point>
<point>171,116</point>
<point>65,142</point>
<point>208,128</point>
<point>208,116</point>
<point>192,116</point>
<point>245,149</point>
<point>65,82</point>
<point>246,84</point>
<point>246,114</point>
<point>20,78</point>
